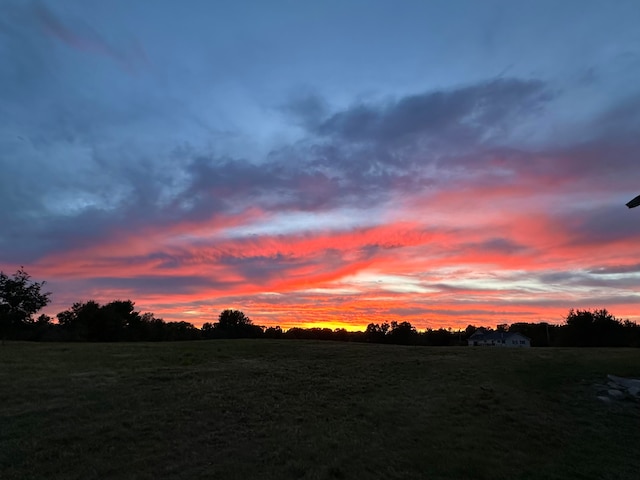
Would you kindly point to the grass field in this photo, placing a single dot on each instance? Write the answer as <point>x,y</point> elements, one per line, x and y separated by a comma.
<point>259,409</point>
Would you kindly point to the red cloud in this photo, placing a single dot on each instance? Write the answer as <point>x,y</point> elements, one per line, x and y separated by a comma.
<point>478,258</point>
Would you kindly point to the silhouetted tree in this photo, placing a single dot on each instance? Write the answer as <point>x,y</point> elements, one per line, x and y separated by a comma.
<point>440,337</point>
<point>116,321</point>
<point>155,330</point>
<point>232,319</point>
<point>597,328</point>
<point>42,329</point>
<point>314,333</point>
<point>20,299</point>
<point>180,331</point>
<point>402,333</point>
<point>318,333</point>
<point>340,335</point>
<point>376,333</point>
<point>273,332</point>
<point>541,334</point>
<point>631,332</point>
<point>295,333</point>
<point>235,324</point>
<point>207,330</point>
<point>79,321</point>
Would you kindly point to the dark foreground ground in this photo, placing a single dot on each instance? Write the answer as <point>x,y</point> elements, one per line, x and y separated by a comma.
<point>266,409</point>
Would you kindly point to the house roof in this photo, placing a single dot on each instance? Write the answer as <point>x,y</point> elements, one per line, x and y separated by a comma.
<point>484,335</point>
<point>634,203</point>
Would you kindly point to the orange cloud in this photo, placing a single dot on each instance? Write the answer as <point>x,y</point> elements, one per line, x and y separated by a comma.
<point>481,258</point>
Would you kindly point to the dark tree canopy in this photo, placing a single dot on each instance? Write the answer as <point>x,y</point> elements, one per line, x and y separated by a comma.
<point>20,299</point>
<point>119,321</point>
<point>114,321</point>
<point>402,333</point>
<point>232,319</point>
<point>376,333</point>
<point>594,328</point>
<point>232,324</point>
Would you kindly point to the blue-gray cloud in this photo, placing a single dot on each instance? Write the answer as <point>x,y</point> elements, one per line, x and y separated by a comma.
<point>471,114</point>
<point>343,162</point>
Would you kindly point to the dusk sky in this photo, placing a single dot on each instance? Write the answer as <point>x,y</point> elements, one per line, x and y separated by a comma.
<point>324,163</point>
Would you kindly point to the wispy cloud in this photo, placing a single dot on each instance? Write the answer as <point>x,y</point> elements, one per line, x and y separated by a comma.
<point>86,39</point>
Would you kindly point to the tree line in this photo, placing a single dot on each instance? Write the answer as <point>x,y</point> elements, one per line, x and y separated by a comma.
<point>21,298</point>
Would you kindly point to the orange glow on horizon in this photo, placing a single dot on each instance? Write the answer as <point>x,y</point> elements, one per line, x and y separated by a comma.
<point>445,265</point>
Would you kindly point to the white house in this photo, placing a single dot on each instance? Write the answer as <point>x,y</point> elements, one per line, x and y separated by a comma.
<point>482,338</point>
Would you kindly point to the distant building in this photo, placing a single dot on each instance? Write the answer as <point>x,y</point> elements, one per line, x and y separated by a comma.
<point>482,338</point>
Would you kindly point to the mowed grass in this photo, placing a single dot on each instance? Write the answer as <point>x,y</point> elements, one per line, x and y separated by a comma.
<point>266,409</point>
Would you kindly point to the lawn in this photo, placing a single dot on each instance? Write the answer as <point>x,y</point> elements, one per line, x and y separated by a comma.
<point>268,409</point>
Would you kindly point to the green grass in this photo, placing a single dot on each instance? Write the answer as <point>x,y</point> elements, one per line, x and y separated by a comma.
<point>248,409</point>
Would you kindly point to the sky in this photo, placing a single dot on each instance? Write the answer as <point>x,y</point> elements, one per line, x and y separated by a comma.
<point>324,163</point>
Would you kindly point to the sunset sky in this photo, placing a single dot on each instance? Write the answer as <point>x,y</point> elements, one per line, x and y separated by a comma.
<point>324,163</point>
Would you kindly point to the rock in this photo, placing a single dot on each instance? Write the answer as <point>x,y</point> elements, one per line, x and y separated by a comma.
<point>624,382</point>
<point>616,394</point>
<point>618,388</point>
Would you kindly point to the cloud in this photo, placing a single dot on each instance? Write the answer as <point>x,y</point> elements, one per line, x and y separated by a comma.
<point>607,225</point>
<point>471,114</point>
<point>498,244</point>
<point>122,191</point>
<point>86,39</point>
<point>307,108</point>
<point>616,269</point>
<point>435,180</point>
